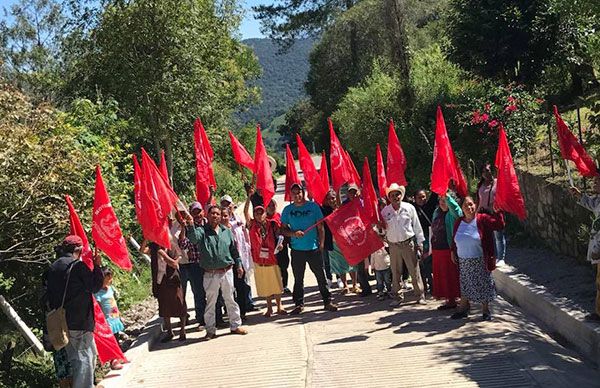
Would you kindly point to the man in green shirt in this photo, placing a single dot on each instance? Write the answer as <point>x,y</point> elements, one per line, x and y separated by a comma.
<point>219,257</point>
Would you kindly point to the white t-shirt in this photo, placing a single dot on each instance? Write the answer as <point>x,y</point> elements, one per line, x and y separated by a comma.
<point>468,241</point>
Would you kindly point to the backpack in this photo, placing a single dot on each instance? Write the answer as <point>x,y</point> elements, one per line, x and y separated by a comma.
<point>56,320</point>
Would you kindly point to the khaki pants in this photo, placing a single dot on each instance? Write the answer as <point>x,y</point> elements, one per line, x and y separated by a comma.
<point>598,288</point>
<point>402,254</point>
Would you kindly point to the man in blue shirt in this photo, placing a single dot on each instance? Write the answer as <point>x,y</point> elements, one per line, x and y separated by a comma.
<point>306,247</point>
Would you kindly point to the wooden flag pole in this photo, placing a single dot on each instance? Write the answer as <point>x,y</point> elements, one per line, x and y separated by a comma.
<point>569,173</point>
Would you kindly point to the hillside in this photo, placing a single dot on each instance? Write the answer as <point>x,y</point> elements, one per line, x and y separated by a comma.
<point>282,81</point>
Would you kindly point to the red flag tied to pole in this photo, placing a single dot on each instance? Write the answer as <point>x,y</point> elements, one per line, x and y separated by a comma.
<point>163,166</point>
<point>355,238</point>
<point>324,172</point>
<point>368,194</point>
<point>340,173</point>
<point>137,189</point>
<point>291,175</point>
<point>264,176</point>
<point>77,230</point>
<point>240,154</point>
<point>158,199</point>
<point>312,178</point>
<point>396,161</point>
<point>106,230</point>
<point>381,178</point>
<point>354,177</point>
<point>205,176</point>
<point>508,193</point>
<point>107,346</point>
<point>445,164</point>
<point>571,149</point>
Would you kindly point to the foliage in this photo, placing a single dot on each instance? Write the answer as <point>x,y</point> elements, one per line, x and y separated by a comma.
<point>29,46</point>
<point>288,20</point>
<point>304,119</point>
<point>480,117</point>
<point>49,153</point>
<point>29,371</point>
<point>510,40</point>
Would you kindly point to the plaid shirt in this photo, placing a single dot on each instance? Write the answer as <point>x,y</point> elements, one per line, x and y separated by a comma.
<point>192,250</point>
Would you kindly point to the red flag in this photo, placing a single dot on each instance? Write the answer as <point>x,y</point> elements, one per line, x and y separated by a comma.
<point>155,204</point>
<point>108,348</point>
<point>205,177</point>
<point>106,343</point>
<point>137,189</point>
<point>354,177</point>
<point>77,230</point>
<point>339,170</point>
<point>368,194</point>
<point>571,149</point>
<point>264,176</point>
<point>200,128</point>
<point>163,167</point>
<point>314,185</point>
<point>240,154</point>
<point>355,239</point>
<point>445,165</point>
<point>324,172</point>
<point>381,179</point>
<point>396,161</point>
<point>508,193</point>
<point>165,194</point>
<point>106,230</point>
<point>291,175</point>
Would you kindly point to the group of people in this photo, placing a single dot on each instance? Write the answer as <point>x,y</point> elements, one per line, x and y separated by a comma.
<point>446,245</point>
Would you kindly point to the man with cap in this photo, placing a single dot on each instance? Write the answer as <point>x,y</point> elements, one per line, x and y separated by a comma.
<point>402,229</point>
<point>361,271</point>
<point>189,264</point>
<point>70,279</point>
<point>306,246</point>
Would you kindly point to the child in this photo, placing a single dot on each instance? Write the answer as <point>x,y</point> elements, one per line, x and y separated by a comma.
<point>106,300</point>
<point>380,262</point>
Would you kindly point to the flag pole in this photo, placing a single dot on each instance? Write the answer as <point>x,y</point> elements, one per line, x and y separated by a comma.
<point>569,173</point>
<point>314,225</point>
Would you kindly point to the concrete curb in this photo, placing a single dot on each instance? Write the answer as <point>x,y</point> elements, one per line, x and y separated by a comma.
<point>142,345</point>
<point>562,321</point>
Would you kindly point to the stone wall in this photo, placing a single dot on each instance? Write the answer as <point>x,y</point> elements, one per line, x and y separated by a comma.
<point>553,215</point>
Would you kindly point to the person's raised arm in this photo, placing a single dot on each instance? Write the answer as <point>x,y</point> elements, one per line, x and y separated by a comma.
<point>453,207</point>
<point>247,211</point>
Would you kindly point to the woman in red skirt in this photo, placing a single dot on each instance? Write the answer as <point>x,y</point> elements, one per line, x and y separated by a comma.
<point>445,273</point>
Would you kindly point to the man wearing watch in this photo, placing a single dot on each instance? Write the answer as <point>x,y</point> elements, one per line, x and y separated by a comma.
<point>405,238</point>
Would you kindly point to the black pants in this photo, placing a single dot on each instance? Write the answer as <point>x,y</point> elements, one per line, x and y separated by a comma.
<point>363,279</point>
<point>427,273</point>
<point>283,260</point>
<point>315,262</point>
<point>327,264</point>
<point>242,290</point>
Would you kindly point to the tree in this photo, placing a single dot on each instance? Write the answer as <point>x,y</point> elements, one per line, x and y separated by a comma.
<point>512,40</point>
<point>30,41</point>
<point>291,19</point>
<point>166,62</point>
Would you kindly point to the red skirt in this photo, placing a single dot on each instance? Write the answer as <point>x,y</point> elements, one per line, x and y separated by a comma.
<point>446,284</point>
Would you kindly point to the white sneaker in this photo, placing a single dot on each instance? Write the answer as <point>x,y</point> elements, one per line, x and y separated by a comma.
<point>340,283</point>
<point>329,283</point>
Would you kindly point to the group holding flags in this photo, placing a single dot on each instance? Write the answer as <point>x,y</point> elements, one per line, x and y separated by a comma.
<point>458,237</point>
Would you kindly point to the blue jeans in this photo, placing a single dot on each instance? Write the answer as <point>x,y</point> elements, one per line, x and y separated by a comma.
<point>384,279</point>
<point>193,273</point>
<point>81,352</point>
<point>500,244</point>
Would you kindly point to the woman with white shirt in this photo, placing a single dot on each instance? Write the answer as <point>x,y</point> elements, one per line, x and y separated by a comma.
<point>473,251</point>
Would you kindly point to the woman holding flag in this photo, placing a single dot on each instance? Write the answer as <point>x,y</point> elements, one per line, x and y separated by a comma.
<point>473,252</point>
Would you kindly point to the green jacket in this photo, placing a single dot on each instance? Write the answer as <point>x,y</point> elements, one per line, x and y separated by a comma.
<point>216,250</point>
<point>454,213</point>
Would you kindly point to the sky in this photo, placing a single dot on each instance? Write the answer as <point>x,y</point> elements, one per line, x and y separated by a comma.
<point>250,27</point>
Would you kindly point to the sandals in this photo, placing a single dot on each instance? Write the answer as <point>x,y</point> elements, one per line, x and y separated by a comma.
<point>167,338</point>
<point>267,314</point>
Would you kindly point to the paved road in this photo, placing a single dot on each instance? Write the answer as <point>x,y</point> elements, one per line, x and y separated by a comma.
<point>367,344</point>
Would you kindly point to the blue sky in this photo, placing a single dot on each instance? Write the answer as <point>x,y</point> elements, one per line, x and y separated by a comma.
<point>250,28</point>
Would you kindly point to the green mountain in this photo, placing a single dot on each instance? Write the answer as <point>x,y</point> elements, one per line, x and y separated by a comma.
<point>282,82</point>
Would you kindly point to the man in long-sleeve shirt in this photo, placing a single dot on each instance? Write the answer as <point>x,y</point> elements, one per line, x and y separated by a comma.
<point>219,257</point>
<point>402,228</point>
<point>69,272</point>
